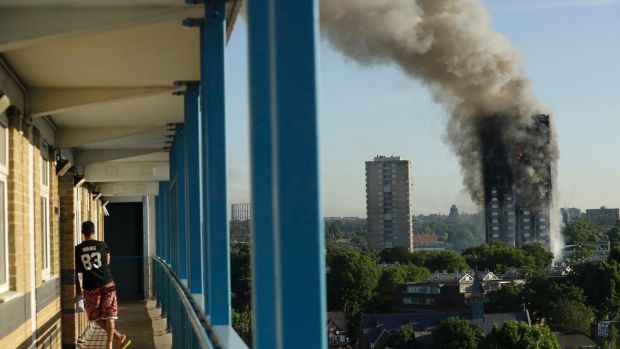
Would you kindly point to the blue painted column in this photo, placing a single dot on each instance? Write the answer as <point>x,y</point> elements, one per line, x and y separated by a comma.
<point>182,243</point>
<point>172,236</point>
<point>158,223</point>
<point>165,219</point>
<point>193,187</point>
<point>212,77</point>
<point>282,37</point>
<point>263,278</point>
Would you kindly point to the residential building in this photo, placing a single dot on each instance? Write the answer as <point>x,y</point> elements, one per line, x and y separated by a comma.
<point>443,291</point>
<point>603,215</point>
<point>240,223</point>
<point>428,243</point>
<point>337,331</point>
<point>511,214</point>
<point>389,202</point>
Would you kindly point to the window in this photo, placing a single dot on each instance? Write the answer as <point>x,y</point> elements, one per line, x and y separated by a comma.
<point>45,207</point>
<point>423,289</point>
<point>4,171</point>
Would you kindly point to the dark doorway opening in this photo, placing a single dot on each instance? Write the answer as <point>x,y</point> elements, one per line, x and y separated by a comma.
<point>124,235</point>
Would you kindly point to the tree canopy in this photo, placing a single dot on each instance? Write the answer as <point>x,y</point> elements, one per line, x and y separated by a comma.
<point>431,260</point>
<point>455,333</point>
<point>572,316</point>
<point>600,282</point>
<point>439,260</point>
<point>352,279</point>
<point>403,338</point>
<point>392,278</point>
<point>497,256</point>
<point>519,335</point>
<point>580,232</point>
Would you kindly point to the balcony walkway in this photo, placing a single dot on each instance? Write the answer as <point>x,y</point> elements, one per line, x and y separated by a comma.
<point>139,320</point>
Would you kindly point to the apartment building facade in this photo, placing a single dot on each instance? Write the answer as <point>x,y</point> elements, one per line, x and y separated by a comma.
<point>40,218</point>
<point>389,202</point>
<point>513,215</point>
<point>603,215</point>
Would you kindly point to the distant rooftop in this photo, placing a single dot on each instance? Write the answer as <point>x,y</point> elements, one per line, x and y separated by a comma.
<point>386,158</point>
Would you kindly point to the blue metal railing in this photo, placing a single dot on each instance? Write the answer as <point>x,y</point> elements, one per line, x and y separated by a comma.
<point>288,262</point>
<point>185,323</point>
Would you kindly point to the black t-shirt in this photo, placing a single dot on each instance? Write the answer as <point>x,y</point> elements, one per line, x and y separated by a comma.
<point>90,260</point>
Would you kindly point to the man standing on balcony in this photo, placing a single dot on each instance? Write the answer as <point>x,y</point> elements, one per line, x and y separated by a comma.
<point>92,259</point>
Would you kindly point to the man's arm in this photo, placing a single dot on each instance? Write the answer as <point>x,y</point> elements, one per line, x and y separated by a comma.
<point>78,284</point>
<point>107,259</point>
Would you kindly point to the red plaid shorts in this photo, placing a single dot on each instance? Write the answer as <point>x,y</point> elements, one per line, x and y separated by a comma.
<point>100,303</point>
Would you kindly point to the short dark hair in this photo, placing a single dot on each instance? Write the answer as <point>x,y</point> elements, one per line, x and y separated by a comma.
<point>88,228</point>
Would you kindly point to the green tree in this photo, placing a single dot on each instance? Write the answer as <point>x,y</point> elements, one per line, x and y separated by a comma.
<point>403,338</point>
<point>612,338</point>
<point>543,299</point>
<point>455,333</point>
<point>352,279</point>
<point>398,254</point>
<point>509,298</point>
<point>600,282</point>
<point>334,231</point>
<point>241,324</point>
<point>572,316</point>
<point>240,264</point>
<point>498,256</point>
<point>541,257</point>
<point>462,237</point>
<point>519,335</point>
<point>580,232</point>
<point>390,281</point>
<point>439,260</point>
<point>614,240</point>
<point>614,254</point>
<point>614,234</point>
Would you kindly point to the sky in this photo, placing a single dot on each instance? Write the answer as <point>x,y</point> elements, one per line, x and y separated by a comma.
<point>571,50</point>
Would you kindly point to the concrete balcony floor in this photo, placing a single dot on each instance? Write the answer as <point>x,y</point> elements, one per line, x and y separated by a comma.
<point>139,320</point>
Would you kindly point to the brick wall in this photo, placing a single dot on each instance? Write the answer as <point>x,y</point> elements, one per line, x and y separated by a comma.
<point>17,306</point>
<point>67,258</point>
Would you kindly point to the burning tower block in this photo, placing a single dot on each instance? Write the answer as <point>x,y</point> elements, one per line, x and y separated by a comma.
<point>517,180</point>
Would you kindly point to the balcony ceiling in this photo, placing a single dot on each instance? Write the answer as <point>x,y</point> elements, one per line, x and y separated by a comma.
<point>110,65</point>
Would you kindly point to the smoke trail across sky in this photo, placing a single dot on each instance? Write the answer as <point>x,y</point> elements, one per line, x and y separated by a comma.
<point>472,70</point>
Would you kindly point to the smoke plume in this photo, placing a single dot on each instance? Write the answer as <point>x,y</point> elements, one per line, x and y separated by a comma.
<point>471,70</point>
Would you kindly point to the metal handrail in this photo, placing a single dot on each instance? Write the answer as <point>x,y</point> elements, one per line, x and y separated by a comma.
<point>201,338</point>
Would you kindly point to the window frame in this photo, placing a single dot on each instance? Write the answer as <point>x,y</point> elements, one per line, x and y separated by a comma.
<point>4,174</point>
<point>44,168</point>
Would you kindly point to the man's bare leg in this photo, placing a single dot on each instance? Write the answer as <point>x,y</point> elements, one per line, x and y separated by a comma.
<point>119,337</point>
<point>110,332</point>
